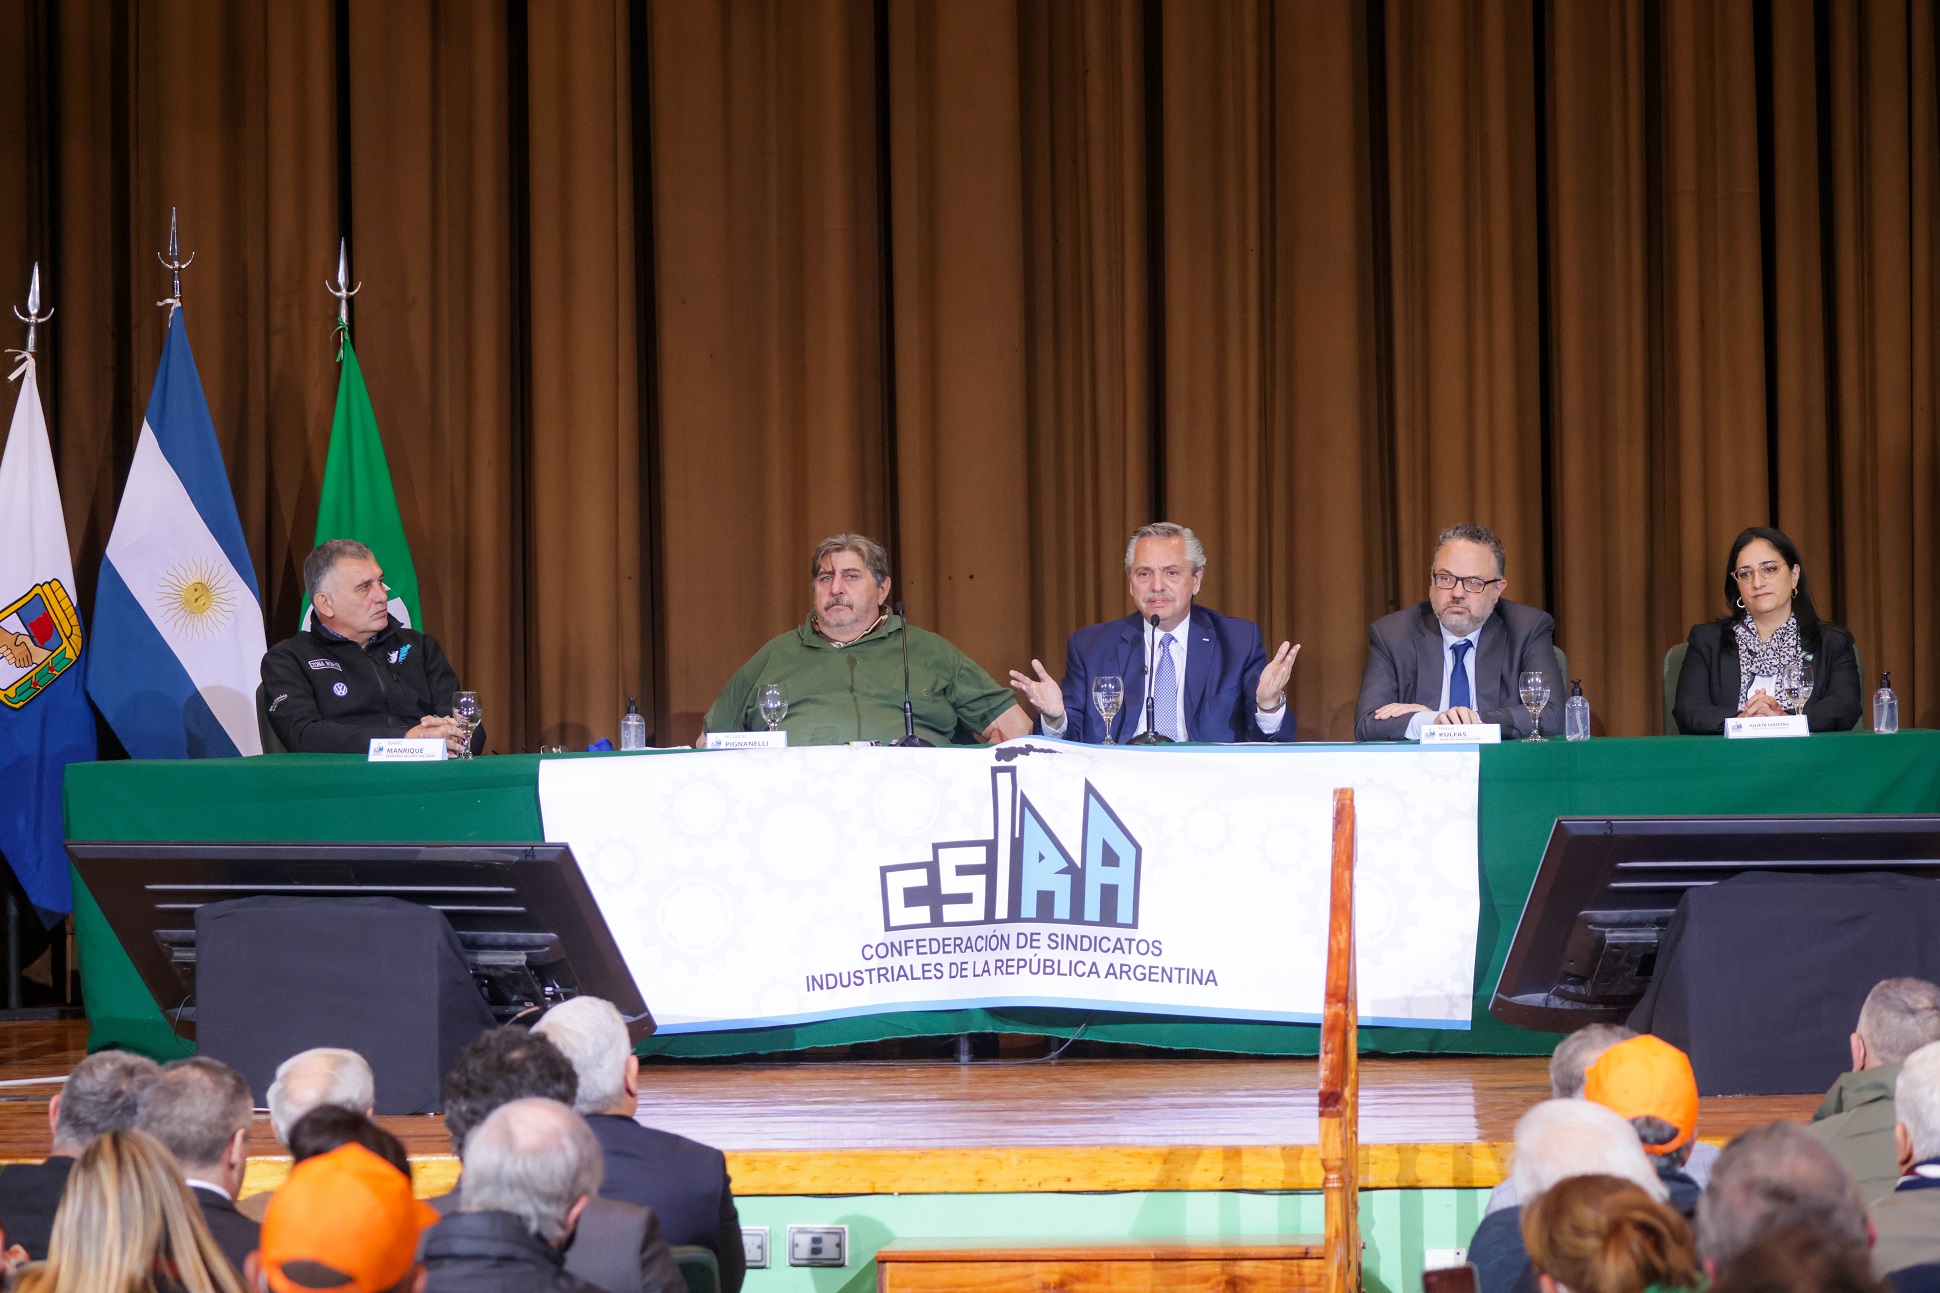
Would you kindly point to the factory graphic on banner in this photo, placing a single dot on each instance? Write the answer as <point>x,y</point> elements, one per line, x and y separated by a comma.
<point>1022,872</point>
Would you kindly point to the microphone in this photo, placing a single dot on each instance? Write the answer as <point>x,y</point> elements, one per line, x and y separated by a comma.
<point>910,739</point>
<point>1151,735</point>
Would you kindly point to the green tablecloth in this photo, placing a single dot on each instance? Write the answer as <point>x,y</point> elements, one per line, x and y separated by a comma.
<point>1524,789</point>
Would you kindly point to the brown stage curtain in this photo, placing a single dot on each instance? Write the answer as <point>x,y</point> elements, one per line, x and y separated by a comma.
<point>767,283</point>
<point>658,292</point>
<point>1087,341</point>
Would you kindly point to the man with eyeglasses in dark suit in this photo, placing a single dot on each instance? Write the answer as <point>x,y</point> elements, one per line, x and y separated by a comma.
<point>1458,657</point>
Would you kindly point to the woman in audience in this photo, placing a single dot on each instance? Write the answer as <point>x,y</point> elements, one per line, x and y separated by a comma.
<point>1602,1234</point>
<point>127,1224</point>
<point>1748,664</point>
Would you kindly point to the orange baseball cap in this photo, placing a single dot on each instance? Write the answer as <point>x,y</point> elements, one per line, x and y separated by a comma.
<point>345,1222</point>
<point>1647,1077</point>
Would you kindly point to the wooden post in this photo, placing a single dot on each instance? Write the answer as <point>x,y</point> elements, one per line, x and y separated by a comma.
<point>1340,1149</point>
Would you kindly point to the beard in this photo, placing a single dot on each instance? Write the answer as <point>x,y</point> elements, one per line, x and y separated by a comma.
<point>1460,620</point>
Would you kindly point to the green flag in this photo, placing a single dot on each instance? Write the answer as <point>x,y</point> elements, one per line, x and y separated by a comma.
<point>357,500</point>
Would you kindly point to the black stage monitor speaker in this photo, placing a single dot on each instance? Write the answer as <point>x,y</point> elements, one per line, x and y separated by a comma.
<point>380,976</point>
<point>526,929</point>
<point>1586,947</point>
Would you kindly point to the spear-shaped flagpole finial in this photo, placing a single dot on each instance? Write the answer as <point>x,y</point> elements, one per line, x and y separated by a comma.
<point>33,317</point>
<point>174,263</point>
<point>342,289</point>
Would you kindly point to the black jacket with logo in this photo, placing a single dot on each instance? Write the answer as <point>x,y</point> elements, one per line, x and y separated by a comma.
<point>327,695</point>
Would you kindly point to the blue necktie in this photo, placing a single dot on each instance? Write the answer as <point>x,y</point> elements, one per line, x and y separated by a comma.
<point>1458,693</point>
<point>1166,691</point>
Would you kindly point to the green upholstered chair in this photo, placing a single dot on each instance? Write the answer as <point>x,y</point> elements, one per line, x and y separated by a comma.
<point>699,1267</point>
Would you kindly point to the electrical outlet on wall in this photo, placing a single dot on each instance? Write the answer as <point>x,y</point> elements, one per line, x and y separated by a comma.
<point>1440,1259</point>
<point>754,1247</point>
<point>818,1245</point>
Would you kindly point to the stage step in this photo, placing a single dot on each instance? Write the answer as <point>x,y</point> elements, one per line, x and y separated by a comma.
<point>1264,1264</point>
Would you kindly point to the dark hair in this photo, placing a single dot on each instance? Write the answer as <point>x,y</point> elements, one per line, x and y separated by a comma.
<point>1802,607</point>
<point>1653,1131</point>
<point>1470,532</point>
<point>503,1065</point>
<point>1801,1258</point>
<point>1602,1234</point>
<point>330,1126</point>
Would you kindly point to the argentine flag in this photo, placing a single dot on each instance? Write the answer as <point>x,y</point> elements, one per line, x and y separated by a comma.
<point>178,624</point>
<point>45,722</point>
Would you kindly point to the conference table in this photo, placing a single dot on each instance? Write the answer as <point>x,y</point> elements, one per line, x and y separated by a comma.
<point>1523,788</point>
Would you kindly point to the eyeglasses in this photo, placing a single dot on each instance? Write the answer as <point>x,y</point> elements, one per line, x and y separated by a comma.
<point>1473,583</point>
<point>1745,574</point>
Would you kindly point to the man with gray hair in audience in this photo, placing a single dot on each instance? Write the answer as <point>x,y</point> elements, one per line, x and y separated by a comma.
<point>683,1181</point>
<point>200,1109</point>
<point>617,1246</point>
<point>1856,1118</point>
<point>322,1075</point>
<point>1769,1178</point>
<point>1554,1140</point>
<point>530,1169</point>
<point>99,1096</point>
<point>1907,1220</point>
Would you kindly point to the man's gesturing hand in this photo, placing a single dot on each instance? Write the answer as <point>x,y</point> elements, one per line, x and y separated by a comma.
<point>1272,691</point>
<point>1042,691</point>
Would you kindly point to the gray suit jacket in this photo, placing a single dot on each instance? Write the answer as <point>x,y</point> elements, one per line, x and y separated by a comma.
<point>1404,663</point>
<point>616,1245</point>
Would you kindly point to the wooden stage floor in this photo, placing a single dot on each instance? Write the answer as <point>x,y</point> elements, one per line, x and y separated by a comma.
<point>831,1127</point>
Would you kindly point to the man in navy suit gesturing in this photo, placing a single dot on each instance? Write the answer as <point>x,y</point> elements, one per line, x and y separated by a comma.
<point>1212,680</point>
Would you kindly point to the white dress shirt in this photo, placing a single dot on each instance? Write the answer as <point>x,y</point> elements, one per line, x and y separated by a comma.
<point>1473,637</point>
<point>1181,638</point>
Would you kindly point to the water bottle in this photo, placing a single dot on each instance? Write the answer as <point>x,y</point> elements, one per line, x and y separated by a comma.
<point>633,728</point>
<point>1886,706</point>
<point>1576,713</point>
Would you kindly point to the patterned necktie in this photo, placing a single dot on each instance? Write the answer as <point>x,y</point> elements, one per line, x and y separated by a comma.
<point>1166,691</point>
<point>1458,692</point>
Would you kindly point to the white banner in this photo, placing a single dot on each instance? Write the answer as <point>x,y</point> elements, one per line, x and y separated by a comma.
<point>757,887</point>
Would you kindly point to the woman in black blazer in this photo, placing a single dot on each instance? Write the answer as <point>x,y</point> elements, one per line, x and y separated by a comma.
<point>1737,666</point>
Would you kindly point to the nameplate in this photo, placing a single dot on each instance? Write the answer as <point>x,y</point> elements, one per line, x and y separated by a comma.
<point>746,741</point>
<point>1770,725</point>
<point>1462,734</point>
<point>407,749</point>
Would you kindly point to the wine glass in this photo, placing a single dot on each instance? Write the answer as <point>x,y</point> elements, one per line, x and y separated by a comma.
<point>1535,695</point>
<point>772,701</point>
<point>1800,693</point>
<point>467,713</point>
<point>1108,693</point>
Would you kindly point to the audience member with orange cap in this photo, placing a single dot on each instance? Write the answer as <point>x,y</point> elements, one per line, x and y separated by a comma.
<point>346,1221</point>
<point>1649,1081</point>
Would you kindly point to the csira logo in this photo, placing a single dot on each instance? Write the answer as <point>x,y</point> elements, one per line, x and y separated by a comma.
<point>1023,872</point>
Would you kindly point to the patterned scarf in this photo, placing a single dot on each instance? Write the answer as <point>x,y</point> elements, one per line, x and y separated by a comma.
<point>1782,657</point>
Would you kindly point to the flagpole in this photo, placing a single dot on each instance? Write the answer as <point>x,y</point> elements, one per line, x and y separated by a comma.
<point>344,292</point>
<point>342,289</point>
<point>174,264</point>
<point>33,318</point>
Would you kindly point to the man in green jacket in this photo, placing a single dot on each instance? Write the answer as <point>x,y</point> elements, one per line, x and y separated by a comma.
<point>1856,1118</point>
<point>841,671</point>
